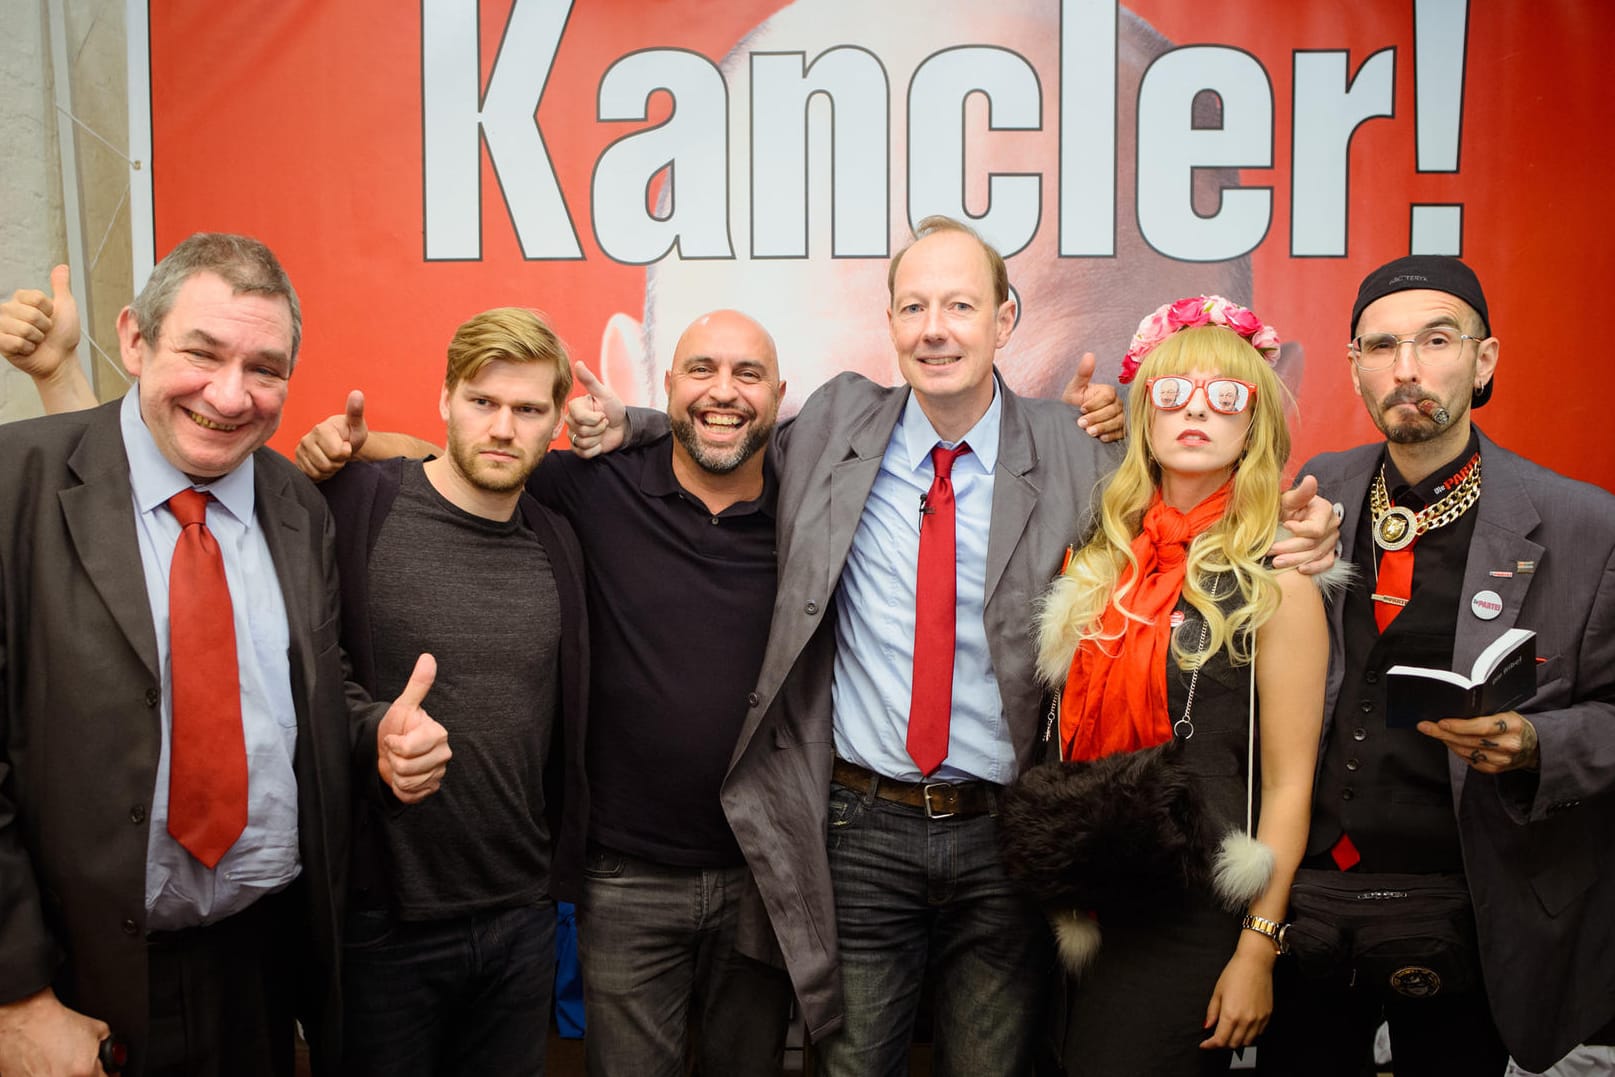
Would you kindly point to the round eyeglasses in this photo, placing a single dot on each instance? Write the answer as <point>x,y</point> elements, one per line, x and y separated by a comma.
<point>1431,347</point>
<point>1227,396</point>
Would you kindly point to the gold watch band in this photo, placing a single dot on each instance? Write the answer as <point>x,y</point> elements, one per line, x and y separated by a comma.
<point>1272,930</point>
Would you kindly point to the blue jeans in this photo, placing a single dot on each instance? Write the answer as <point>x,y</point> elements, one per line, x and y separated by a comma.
<point>918,897</point>
<point>469,995</point>
<point>658,949</point>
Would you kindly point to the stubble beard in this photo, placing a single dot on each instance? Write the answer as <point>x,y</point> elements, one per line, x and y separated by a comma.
<point>478,474</point>
<point>1418,430</point>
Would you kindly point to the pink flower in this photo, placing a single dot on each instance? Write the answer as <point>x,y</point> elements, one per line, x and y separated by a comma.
<point>1266,341</point>
<point>1130,364</point>
<point>1242,321</point>
<point>1188,313</point>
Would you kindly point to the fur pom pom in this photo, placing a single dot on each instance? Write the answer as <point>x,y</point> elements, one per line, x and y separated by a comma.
<point>1243,868</point>
<point>1332,582</point>
<point>1078,938</point>
<point>1116,835</point>
<point>1057,632</point>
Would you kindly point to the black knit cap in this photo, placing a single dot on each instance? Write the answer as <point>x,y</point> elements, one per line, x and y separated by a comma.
<point>1436,272</point>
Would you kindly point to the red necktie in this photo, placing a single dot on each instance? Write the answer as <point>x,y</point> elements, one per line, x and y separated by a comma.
<point>934,605</point>
<point>1395,581</point>
<point>207,775</point>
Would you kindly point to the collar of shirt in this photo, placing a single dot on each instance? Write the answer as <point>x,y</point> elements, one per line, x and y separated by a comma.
<point>154,480</point>
<point>919,437</point>
<point>1417,495</point>
<point>656,479</point>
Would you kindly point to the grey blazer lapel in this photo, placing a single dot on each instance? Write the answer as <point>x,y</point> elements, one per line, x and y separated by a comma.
<point>100,517</point>
<point>284,520</point>
<point>1014,494</point>
<point>1505,517</point>
<point>852,477</point>
<point>1350,491</point>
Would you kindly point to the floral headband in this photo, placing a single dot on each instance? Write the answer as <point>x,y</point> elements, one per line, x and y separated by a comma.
<point>1194,311</point>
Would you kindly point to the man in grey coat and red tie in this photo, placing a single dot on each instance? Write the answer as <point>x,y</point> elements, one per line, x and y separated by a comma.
<point>177,735</point>
<point>1456,540</point>
<point>896,697</point>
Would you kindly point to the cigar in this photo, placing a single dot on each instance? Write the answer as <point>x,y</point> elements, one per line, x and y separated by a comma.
<point>1436,412</point>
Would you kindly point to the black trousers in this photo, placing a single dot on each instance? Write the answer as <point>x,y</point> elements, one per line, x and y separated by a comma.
<point>1326,1029</point>
<point>222,996</point>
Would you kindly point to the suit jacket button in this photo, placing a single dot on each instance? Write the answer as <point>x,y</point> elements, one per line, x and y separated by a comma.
<point>137,814</point>
<point>811,607</point>
<point>131,928</point>
<point>752,699</point>
<point>153,697</point>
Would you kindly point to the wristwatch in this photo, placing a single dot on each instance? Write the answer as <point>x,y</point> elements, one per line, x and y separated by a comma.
<point>1277,933</point>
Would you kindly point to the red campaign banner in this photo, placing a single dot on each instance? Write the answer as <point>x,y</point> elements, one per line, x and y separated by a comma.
<point>413,165</point>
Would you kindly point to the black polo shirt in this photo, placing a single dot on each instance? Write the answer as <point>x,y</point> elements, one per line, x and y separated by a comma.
<point>1389,788</point>
<point>679,607</point>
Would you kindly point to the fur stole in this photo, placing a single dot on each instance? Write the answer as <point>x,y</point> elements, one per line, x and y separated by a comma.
<point>1125,836</point>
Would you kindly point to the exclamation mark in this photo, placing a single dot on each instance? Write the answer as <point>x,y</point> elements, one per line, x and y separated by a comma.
<point>1440,37</point>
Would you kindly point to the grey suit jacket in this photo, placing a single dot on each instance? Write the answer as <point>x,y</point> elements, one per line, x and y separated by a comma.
<point>776,794</point>
<point>1539,850</point>
<point>80,724</point>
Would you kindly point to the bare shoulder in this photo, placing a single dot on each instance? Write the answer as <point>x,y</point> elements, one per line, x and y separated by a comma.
<point>1300,606</point>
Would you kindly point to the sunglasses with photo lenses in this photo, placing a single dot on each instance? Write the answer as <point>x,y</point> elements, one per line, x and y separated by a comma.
<point>1227,396</point>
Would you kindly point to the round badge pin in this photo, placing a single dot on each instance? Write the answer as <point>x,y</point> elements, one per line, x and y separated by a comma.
<point>1487,605</point>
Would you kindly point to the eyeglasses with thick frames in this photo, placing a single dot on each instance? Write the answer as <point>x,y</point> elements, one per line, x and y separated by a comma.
<point>1431,347</point>
<point>1226,396</point>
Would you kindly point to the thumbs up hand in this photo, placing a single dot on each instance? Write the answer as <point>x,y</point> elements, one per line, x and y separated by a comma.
<point>412,750</point>
<point>1102,414</point>
<point>327,448</point>
<point>39,332</point>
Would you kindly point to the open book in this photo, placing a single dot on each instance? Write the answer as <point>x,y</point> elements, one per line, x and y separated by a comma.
<point>1504,676</point>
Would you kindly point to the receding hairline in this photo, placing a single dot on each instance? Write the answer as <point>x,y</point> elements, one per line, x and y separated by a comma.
<point>937,225</point>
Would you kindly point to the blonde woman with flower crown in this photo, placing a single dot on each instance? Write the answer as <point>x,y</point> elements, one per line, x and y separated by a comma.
<point>1190,678</point>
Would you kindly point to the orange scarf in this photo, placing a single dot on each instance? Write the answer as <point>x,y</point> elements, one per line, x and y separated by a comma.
<point>1116,701</point>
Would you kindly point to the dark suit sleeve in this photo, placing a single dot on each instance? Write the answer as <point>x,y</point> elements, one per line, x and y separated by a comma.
<point>27,952</point>
<point>645,425</point>
<point>1577,738</point>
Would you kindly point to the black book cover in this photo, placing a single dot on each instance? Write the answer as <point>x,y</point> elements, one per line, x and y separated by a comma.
<point>1503,677</point>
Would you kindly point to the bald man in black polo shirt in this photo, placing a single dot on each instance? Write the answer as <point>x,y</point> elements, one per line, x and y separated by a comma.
<point>1510,815</point>
<point>679,538</point>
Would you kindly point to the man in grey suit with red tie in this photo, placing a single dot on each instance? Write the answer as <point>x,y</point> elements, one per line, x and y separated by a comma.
<point>177,736</point>
<point>1456,540</point>
<point>896,697</point>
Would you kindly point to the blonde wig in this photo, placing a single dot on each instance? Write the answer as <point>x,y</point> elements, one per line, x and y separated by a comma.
<point>1235,544</point>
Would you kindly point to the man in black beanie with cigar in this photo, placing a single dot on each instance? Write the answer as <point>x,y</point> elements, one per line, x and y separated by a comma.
<point>1459,876</point>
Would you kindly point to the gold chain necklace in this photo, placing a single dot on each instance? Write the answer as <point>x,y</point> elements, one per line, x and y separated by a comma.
<point>1395,527</point>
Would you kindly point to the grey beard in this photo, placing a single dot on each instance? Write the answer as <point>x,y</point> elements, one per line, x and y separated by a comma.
<point>718,463</point>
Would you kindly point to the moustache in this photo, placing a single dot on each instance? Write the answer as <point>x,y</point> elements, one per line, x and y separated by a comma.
<point>1406,394</point>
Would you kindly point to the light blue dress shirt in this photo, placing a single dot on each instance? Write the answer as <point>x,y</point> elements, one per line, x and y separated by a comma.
<point>874,664</point>
<point>180,891</point>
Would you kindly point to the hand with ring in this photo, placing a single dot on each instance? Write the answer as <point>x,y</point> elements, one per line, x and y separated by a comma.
<point>1491,744</point>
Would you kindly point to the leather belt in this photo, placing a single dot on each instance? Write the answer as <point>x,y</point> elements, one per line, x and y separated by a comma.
<point>939,800</point>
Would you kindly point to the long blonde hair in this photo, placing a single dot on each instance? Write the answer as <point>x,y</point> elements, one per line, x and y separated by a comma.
<point>1235,544</point>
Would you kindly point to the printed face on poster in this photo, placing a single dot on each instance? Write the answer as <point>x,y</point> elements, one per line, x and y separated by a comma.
<point>625,165</point>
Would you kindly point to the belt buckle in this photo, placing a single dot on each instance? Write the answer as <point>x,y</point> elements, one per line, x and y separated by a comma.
<point>932,813</point>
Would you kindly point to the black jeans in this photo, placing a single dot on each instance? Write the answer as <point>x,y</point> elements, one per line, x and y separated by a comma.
<point>469,995</point>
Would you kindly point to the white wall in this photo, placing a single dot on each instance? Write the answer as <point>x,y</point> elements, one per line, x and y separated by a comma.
<point>33,228</point>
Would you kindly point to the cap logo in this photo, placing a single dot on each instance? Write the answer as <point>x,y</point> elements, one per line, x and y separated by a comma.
<point>1407,276</point>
